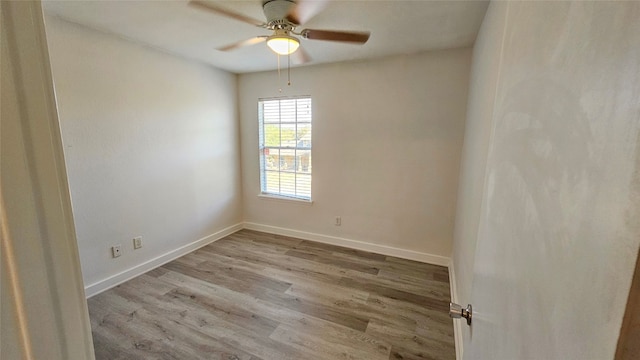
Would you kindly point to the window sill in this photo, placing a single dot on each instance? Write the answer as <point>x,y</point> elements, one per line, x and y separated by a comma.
<point>285,199</point>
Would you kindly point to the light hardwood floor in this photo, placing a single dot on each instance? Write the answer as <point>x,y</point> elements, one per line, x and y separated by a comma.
<point>256,296</point>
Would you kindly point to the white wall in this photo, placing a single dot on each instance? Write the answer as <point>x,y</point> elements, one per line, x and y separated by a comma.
<point>387,137</point>
<point>559,222</point>
<point>152,147</point>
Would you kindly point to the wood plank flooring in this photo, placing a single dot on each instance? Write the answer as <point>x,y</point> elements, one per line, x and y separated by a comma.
<point>254,296</point>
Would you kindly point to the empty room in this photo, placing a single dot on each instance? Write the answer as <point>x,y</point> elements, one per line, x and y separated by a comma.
<point>315,179</point>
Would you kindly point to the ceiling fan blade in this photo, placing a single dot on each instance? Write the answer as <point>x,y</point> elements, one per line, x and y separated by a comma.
<point>243,43</point>
<point>304,10</point>
<point>343,36</point>
<point>301,56</point>
<point>205,5</point>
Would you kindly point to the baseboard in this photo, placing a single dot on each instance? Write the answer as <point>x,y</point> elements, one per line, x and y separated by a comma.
<point>108,283</point>
<point>114,280</point>
<point>457,325</point>
<point>353,244</point>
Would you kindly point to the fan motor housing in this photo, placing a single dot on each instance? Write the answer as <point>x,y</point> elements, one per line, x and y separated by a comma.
<point>276,10</point>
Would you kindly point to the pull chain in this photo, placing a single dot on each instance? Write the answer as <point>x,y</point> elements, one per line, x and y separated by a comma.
<point>289,64</point>
<point>279,89</point>
<point>288,68</point>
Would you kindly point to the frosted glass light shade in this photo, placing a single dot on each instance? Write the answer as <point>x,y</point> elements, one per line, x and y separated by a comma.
<point>283,44</point>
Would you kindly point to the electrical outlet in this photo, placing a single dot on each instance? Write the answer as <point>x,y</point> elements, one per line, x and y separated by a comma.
<point>116,251</point>
<point>137,242</point>
<point>338,221</point>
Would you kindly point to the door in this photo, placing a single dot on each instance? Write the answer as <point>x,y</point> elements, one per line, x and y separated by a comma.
<point>628,346</point>
<point>560,218</point>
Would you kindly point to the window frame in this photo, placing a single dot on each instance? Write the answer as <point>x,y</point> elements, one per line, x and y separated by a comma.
<point>262,146</point>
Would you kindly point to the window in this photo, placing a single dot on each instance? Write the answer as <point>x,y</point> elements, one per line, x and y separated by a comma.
<point>285,146</point>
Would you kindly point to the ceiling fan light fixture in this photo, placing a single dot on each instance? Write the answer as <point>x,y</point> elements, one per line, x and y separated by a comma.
<point>283,44</point>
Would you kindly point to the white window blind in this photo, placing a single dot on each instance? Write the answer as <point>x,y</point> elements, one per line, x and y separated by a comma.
<point>285,146</point>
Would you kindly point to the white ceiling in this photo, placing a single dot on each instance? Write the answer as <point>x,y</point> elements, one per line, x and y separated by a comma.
<point>397,27</point>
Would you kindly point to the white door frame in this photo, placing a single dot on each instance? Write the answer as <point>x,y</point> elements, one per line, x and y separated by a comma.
<point>43,309</point>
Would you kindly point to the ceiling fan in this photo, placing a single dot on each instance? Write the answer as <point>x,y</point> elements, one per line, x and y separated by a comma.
<point>283,17</point>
